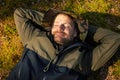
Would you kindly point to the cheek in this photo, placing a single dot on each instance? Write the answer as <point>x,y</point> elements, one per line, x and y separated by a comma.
<point>53,31</point>
<point>67,32</point>
<point>70,33</point>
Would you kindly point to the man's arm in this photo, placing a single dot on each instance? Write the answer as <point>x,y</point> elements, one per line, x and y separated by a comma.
<point>108,44</point>
<point>24,19</point>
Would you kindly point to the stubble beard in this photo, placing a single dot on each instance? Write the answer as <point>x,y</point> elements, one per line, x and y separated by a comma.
<point>61,40</point>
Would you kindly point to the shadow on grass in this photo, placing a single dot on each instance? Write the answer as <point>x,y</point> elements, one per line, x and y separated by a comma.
<point>104,20</point>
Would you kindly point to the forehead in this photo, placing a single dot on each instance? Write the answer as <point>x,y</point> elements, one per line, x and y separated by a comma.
<point>63,17</point>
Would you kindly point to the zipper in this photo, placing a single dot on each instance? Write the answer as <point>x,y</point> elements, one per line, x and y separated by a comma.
<point>48,65</point>
<point>59,54</point>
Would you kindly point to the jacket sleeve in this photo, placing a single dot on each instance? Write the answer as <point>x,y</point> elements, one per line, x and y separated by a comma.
<point>108,44</point>
<point>24,19</point>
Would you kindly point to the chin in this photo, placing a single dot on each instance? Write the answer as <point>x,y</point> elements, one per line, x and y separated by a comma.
<point>58,41</point>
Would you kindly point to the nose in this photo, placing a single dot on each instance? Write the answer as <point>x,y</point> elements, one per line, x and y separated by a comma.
<point>61,27</point>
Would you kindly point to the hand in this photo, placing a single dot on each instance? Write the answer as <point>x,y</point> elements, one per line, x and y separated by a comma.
<point>49,15</point>
<point>82,25</point>
<point>83,28</point>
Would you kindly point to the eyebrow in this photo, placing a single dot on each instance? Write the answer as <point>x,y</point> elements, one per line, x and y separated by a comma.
<point>62,23</point>
<point>56,22</point>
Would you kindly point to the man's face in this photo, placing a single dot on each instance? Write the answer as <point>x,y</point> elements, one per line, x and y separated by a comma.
<point>63,29</point>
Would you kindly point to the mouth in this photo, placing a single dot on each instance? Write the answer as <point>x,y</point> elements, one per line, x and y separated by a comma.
<point>60,34</point>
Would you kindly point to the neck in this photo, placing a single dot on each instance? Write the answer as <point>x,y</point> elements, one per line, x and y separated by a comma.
<point>65,45</point>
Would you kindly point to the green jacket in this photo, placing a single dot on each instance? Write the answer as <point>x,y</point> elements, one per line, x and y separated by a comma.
<point>39,40</point>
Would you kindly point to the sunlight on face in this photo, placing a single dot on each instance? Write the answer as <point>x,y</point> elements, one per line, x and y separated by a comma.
<point>63,29</point>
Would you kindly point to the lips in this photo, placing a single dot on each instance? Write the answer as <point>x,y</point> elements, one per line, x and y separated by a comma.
<point>60,34</point>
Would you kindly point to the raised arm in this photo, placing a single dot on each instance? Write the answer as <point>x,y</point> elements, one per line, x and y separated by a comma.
<point>108,44</point>
<point>24,20</point>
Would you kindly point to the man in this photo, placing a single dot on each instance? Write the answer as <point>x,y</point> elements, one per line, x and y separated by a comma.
<point>69,51</point>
